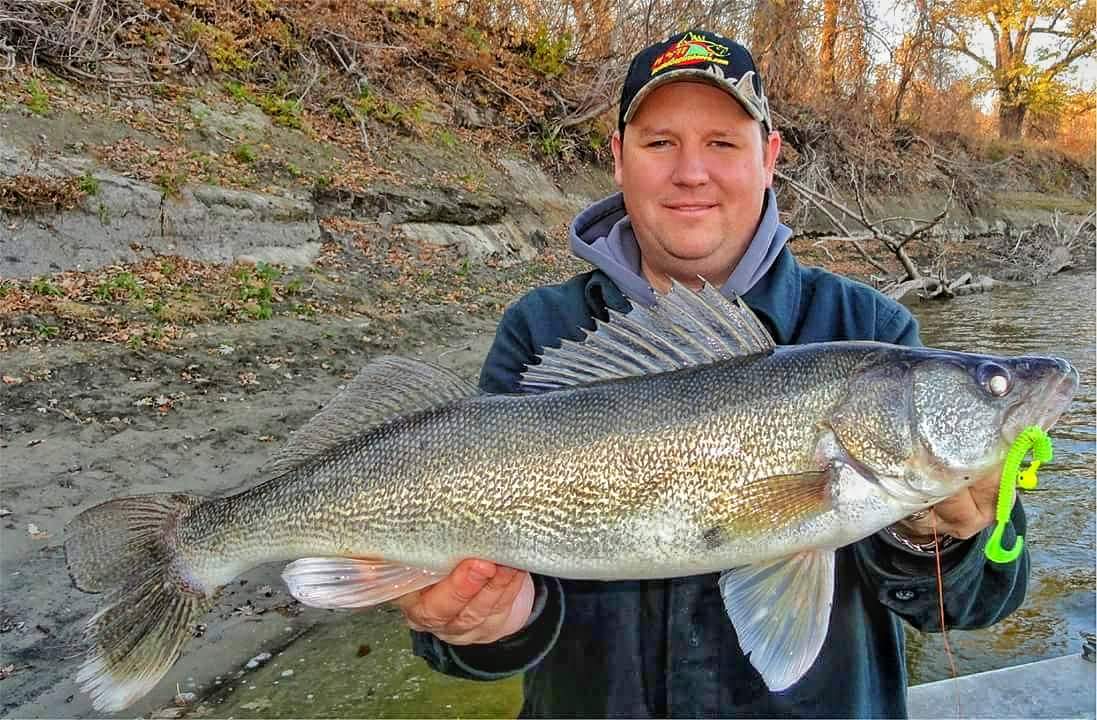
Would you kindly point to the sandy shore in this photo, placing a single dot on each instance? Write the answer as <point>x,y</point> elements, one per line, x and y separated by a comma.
<point>81,423</point>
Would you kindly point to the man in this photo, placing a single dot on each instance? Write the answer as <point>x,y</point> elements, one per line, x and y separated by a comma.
<point>694,156</point>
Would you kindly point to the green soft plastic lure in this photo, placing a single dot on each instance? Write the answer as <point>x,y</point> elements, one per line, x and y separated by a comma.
<point>1031,438</point>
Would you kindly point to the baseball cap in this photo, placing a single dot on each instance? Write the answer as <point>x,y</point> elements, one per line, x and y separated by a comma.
<point>696,56</point>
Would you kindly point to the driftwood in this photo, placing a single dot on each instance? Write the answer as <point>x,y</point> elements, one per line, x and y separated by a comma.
<point>1044,249</point>
<point>928,284</point>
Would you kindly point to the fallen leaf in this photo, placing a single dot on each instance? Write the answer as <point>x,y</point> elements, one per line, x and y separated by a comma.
<point>35,533</point>
<point>9,380</point>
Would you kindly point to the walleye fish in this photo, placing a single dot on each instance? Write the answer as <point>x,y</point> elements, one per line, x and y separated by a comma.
<point>672,441</point>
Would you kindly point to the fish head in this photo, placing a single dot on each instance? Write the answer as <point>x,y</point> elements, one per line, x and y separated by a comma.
<point>927,423</point>
<point>969,409</point>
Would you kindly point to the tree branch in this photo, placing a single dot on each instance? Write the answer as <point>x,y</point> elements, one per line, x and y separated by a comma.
<point>1084,45</point>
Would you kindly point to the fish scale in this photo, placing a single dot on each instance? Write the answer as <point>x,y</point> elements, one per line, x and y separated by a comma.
<point>694,445</point>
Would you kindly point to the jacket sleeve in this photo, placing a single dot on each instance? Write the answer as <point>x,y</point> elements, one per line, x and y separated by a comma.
<point>976,591</point>
<point>512,349</point>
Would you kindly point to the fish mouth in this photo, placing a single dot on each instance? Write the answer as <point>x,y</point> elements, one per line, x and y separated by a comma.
<point>1047,401</point>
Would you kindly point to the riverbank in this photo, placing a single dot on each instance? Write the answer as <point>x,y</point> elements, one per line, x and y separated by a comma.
<point>82,423</point>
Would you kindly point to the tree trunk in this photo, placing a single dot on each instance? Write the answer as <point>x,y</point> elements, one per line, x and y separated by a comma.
<point>826,46</point>
<point>1011,119</point>
<point>777,47</point>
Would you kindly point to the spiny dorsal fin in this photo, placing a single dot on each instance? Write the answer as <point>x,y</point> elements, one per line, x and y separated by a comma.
<point>387,388</point>
<point>683,328</point>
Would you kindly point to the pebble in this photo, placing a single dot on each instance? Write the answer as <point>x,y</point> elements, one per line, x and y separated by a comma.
<point>185,698</point>
<point>257,660</point>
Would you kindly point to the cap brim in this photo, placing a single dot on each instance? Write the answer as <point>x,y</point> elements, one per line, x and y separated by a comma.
<point>693,75</point>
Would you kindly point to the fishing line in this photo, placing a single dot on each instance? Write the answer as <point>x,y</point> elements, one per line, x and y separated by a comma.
<point>941,606</point>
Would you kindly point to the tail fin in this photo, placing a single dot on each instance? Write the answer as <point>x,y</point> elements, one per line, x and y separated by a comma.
<point>128,547</point>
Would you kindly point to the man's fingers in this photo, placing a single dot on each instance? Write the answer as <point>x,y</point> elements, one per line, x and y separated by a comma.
<point>486,603</point>
<point>442,602</point>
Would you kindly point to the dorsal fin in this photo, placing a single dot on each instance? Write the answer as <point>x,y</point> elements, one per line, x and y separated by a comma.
<point>683,328</point>
<point>387,388</point>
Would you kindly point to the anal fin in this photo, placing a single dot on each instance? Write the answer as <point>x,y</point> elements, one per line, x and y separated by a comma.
<point>344,582</point>
<point>781,612</point>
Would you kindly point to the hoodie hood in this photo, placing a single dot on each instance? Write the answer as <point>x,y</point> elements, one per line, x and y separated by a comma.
<point>602,235</point>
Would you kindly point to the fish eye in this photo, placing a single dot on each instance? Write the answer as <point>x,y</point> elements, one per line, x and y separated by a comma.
<point>994,379</point>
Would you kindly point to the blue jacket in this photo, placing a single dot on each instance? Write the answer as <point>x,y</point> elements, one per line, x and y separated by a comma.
<point>666,647</point>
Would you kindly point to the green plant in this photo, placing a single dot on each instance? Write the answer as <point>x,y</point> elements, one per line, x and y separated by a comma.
<point>338,110</point>
<point>6,288</point>
<point>477,39</point>
<point>244,153</point>
<point>39,101</point>
<point>43,286</point>
<point>104,213</point>
<point>171,182</point>
<point>282,111</point>
<point>257,289</point>
<point>447,138</point>
<point>45,332</point>
<point>259,311</point>
<point>294,170</point>
<point>88,184</point>
<point>550,145</point>
<point>120,286</point>
<point>167,268</point>
<point>267,272</point>
<point>547,55</point>
<point>224,54</point>
<point>304,310</point>
<point>237,91</point>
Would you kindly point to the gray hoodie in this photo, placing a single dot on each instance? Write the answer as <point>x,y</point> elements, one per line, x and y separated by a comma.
<point>602,235</point>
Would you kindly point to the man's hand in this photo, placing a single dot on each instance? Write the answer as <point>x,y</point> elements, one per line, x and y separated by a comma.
<point>479,602</point>
<point>962,516</point>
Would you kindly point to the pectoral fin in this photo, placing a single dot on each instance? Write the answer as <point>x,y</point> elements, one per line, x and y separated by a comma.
<point>781,611</point>
<point>341,582</point>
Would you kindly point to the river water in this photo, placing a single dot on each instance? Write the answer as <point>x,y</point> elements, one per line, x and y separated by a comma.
<point>1055,318</point>
<point>363,668</point>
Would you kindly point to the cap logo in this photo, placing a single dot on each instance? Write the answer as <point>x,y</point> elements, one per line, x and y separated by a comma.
<point>691,50</point>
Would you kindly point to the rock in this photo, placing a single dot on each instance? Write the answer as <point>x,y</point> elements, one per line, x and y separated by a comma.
<point>184,698</point>
<point>418,205</point>
<point>258,660</point>
<point>246,119</point>
<point>469,115</point>
<point>205,222</point>
<point>505,241</point>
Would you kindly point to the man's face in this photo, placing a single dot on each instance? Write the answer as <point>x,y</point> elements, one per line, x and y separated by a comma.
<point>693,168</point>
